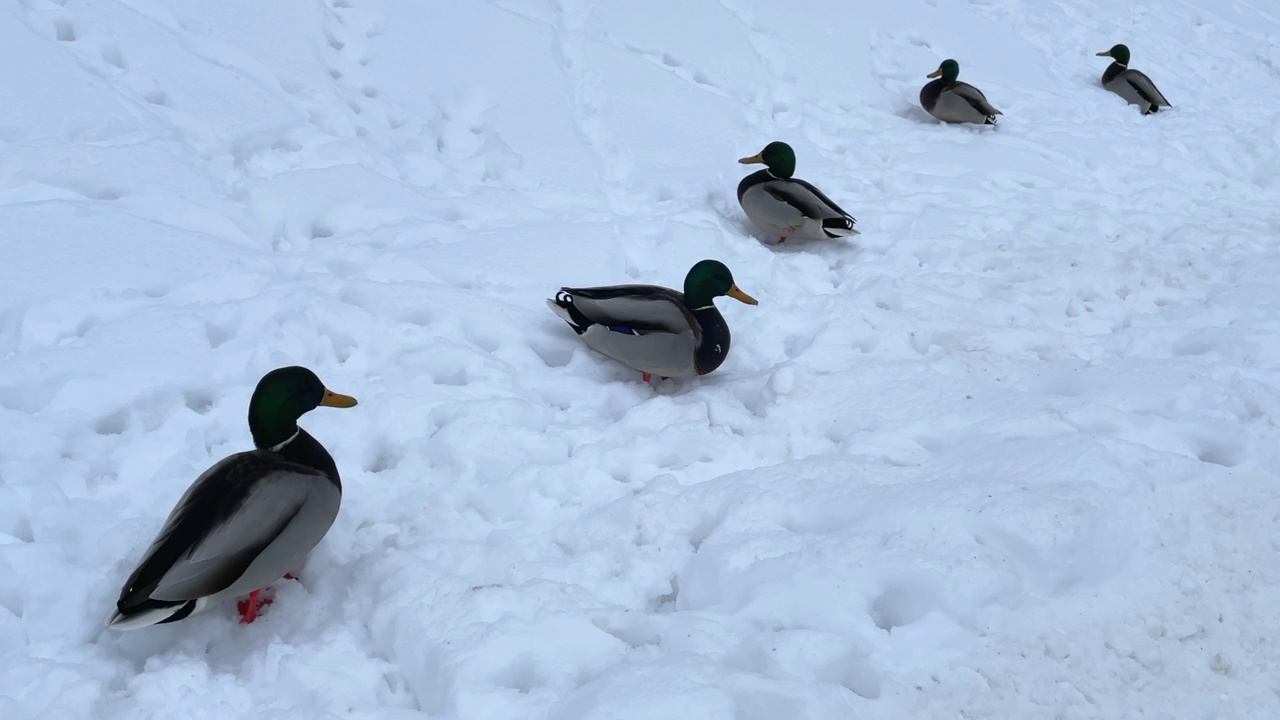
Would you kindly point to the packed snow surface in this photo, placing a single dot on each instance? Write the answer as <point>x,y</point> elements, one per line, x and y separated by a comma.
<point>1010,453</point>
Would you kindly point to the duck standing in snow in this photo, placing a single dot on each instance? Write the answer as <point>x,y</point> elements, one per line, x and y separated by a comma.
<point>653,329</point>
<point>787,206</point>
<point>248,520</point>
<point>950,100</point>
<point>1132,85</point>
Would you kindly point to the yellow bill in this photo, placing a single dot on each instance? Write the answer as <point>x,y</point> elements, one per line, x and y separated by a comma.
<point>338,400</point>
<point>753,160</point>
<point>737,294</point>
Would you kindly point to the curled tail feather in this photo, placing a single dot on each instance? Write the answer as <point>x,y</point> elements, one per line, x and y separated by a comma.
<point>839,227</point>
<point>154,612</point>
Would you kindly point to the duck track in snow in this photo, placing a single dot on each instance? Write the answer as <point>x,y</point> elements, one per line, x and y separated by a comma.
<point>677,68</point>
<point>349,33</point>
<point>586,96</point>
<point>103,59</point>
<point>769,105</point>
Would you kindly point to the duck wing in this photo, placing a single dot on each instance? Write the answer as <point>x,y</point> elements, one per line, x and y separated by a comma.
<point>232,512</point>
<point>640,308</point>
<point>1145,88</point>
<point>803,196</point>
<point>975,98</point>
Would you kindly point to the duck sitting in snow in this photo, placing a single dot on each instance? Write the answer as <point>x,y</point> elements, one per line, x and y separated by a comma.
<point>1132,85</point>
<point>248,520</point>
<point>787,206</point>
<point>950,100</point>
<point>653,329</point>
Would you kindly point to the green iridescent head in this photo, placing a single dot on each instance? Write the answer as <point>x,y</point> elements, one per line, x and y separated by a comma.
<point>284,395</point>
<point>949,70</point>
<point>777,156</point>
<point>708,280</point>
<point>1119,53</point>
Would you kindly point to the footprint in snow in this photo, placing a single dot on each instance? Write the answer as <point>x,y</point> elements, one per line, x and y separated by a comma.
<point>112,56</point>
<point>383,458</point>
<point>903,603</point>
<point>198,401</point>
<point>552,355</point>
<point>1213,446</point>
<point>218,333</point>
<point>671,64</point>
<point>64,30</point>
<point>114,423</point>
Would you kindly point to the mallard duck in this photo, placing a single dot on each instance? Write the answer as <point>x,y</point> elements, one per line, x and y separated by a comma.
<point>787,206</point>
<point>248,520</point>
<point>1132,85</point>
<point>653,329</point>
<point>950,100</point>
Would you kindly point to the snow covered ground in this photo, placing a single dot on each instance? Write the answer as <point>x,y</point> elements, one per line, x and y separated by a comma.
<point>1011,453</point>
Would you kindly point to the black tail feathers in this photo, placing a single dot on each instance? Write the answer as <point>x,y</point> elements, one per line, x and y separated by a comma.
<point>576,319</point>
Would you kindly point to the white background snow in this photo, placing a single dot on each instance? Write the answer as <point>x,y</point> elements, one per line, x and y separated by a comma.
<point>1011,453</point>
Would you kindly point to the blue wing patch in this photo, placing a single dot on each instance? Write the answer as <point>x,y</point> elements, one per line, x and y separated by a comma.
<point>622,329</point>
